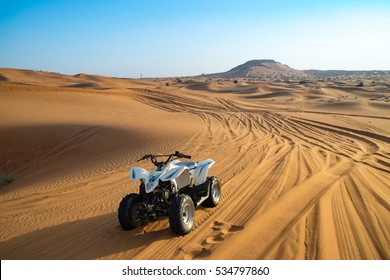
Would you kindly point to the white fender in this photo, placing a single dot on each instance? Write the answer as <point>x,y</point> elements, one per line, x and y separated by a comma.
<point>202,170</point>
<point>173,173</point>
<point>137,173</point>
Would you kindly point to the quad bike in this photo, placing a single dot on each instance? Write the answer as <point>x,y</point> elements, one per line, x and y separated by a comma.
<point>173,189</point>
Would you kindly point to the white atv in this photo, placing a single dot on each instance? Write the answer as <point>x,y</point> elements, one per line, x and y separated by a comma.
<point>173,189</point>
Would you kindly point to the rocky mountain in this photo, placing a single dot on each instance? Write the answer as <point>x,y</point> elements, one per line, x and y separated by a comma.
<point>261,68</point>
<point>271,69</point>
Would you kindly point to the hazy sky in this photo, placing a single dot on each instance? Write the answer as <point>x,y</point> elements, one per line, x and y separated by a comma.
<point>178,38</point>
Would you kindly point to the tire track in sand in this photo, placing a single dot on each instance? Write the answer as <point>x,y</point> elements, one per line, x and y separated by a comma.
<point>261,175</point>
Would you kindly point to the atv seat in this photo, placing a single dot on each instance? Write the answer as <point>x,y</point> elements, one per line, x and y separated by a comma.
<point>189,165</point>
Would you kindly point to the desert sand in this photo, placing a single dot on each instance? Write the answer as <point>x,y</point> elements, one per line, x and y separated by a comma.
<point>304,167</point>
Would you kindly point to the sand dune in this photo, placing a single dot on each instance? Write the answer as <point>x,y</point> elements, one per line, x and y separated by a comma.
<point>305,167</point>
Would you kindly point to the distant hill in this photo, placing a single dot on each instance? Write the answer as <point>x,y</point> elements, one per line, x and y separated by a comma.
<point>268,68</point>
<point>261,68</point>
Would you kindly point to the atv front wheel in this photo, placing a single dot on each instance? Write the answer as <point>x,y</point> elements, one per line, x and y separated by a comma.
<point>129,211</point>
<point>182,214</point>
<point>214,194</point>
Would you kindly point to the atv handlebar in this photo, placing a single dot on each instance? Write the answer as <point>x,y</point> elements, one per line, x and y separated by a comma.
<point>180,155</point>
<point>144,157</point>
<point>153,158</point>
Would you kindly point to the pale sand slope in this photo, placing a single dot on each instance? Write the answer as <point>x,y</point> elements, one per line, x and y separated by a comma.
<point>305,168</point>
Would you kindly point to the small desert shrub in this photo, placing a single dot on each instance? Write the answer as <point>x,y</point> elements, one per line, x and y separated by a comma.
<point>235,81</point>
<point>360,84</point>
<point>167,84</point>
<point>6,180</point>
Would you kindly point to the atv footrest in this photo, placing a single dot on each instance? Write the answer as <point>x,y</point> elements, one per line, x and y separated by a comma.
<point>202,189</point>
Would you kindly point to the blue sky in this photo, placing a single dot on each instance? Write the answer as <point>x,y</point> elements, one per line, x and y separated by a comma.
<point>179,38</point>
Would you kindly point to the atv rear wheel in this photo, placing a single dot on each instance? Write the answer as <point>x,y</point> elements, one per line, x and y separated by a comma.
<point>129,211</point>
<point>182,214</point>
<point>214,194</point>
